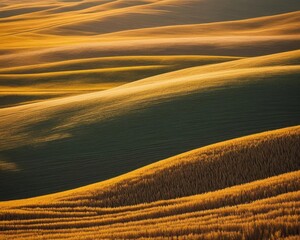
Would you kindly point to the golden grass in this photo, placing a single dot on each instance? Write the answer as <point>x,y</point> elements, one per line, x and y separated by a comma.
<point>78,28</point>
<point>262,209</point>
<point>62,123</point>
<point>79,18</point>
<point>79,53</point>
<point>57,33</point>
<point>87,75</point>
<point>140,94</point>
<point>282,24</point>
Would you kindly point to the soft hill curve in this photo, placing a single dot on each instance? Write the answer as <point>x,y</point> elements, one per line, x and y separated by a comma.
<point>115,131</point>
<point>169,210</point>
<point>149,119</point>
<point>23,84</point>
<point>206,169</point>
<point>86,52</point>
<point>98,16</point>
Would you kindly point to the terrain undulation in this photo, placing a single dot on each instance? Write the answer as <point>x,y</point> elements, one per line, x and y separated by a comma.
<point>149,119</point>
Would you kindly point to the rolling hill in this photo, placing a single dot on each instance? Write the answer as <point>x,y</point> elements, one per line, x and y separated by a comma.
<point>96,16</point>
<point>83,37</point>
<point>149,119</point>
<point>25,84</point>
<point>111,132</point>
<point>266,205</point>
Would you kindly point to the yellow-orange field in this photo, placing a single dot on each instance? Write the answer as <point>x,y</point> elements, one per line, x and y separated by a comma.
<point>56,48</point>
<point>171,198</point>
<point>94,93</point>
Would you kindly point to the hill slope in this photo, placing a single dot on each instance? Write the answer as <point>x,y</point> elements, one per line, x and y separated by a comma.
<point>114,131</point>
<point>23,84</point>
<point>98,16</point>
<point>260,209</point>
<point>249,37</point>
<point>94,93</point>
<point>38,64</point>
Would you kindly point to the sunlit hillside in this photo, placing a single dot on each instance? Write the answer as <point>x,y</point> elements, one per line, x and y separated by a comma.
<point>132,125</point>
<point>57,48</point>
<point>95,93</point>
<point>72,77</point>
<point>195,195</point>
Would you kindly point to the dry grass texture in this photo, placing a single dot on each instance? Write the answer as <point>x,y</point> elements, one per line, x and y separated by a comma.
<point>123,124</point>
<point>85,109</point>
<point>93,89</point>
<point>24,84</point>
<point>58,48</point>
<point>178,197</point>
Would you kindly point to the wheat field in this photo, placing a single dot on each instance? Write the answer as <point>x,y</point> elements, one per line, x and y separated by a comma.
<point>169,199</point>
<point>149,119</point>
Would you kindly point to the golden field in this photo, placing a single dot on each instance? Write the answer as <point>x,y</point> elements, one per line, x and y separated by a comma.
<point>183,196</point>
<point>47,46</point>
<point>95,93</point>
